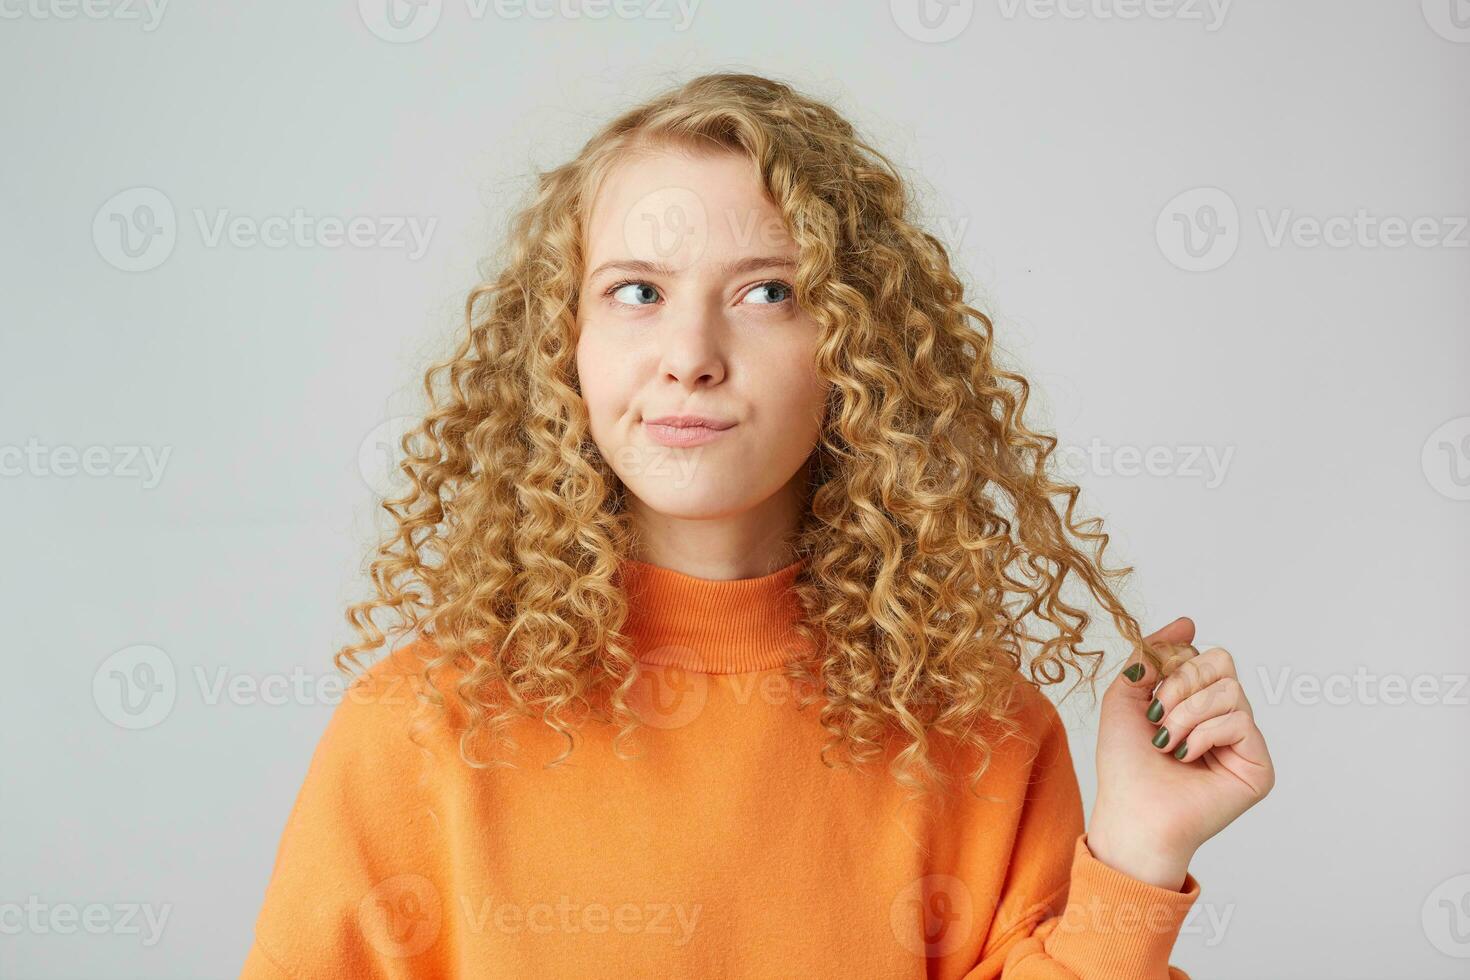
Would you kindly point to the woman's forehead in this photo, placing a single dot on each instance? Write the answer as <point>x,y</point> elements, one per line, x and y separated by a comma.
<point>681,210</point>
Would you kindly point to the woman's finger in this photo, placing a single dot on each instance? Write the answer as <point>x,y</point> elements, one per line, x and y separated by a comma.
<point>1136,674</point>
<point>1192,674</point>
<point>1220,698</point>
<point>1142,680</point>
<point>1232,730</point>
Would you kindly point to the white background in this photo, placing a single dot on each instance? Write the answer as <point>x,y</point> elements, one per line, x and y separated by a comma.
<point>1326,548</point>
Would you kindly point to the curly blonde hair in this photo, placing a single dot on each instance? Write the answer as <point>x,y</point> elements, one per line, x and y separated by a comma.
<point>933,531</point>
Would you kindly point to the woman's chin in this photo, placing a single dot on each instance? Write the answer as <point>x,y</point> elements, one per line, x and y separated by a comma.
<point>704,499</point>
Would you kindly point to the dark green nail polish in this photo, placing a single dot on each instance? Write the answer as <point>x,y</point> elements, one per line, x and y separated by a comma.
<point>1155,711</point>
<point>1161,737</point>
<point>1134,673</point>
<point>1183,748</point>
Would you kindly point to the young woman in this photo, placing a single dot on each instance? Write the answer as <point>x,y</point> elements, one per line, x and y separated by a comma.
<point>725,550</point>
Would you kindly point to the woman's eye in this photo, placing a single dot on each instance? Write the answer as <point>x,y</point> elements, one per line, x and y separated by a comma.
<point>646,294</point>
<point>764,290</point>
<point>642,294</point>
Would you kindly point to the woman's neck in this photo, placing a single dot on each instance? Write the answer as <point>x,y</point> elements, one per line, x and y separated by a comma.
<point>712,626</point>
<point>749,544</point>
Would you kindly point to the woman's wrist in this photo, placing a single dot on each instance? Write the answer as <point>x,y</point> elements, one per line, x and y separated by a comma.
<point>1134,852</point>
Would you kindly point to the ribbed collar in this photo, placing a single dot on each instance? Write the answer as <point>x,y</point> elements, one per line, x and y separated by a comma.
<point>712,626</point>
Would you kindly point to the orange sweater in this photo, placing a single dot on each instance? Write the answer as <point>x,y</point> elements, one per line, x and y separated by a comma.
<point>728,849</point>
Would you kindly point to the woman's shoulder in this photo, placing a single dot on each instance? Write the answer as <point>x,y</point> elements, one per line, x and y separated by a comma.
<point>389,707</point>
<point>401,668</point>
<point>1027,732</point>
<point>1033,706</point>
<point>1025,711</point>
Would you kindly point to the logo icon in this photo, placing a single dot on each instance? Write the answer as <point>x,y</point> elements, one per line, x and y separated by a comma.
<point>135,230</point>
<point>1450,19</point>
<point>400,21</point>
<point>401,916</point>
<point>1199,230</point>
<point>136,687</point>
<point>379,457</point>
<point>668,696</point>
<point>1446,458</point>
<point>668,225</point>
<point>933,915</point>
<point>932,21</point>
<point>1446,916</point>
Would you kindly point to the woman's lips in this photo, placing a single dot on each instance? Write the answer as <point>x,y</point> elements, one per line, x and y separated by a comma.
<point>683,434</point>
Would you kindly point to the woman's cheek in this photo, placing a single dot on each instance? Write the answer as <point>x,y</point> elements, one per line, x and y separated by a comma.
<point>593,383</point>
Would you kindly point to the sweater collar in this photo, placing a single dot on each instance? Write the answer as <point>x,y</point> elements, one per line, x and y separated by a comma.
<point>712,626</point>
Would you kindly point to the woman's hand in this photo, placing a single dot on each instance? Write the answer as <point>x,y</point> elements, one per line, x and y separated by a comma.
<point>1174,765</point>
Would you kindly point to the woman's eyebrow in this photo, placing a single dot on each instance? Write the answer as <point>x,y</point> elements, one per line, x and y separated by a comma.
<point>737,267</point>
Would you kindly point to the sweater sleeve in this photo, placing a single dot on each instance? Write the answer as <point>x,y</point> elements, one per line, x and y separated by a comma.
<point>1063,914</point>
<point>349,894</point>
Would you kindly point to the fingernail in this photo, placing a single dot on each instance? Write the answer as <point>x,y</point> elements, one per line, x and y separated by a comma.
<point>1161,737</point>
<point>1183,748</point>
<point>1155,711</point>
<point>1134,673</point>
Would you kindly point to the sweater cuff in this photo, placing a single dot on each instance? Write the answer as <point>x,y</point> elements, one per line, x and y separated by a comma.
<point>1115,925</point>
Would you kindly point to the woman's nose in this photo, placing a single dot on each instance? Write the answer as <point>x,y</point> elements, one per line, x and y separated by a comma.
<point>693,349</point>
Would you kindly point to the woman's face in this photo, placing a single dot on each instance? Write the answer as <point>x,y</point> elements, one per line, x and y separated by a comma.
<point>687,310</point>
